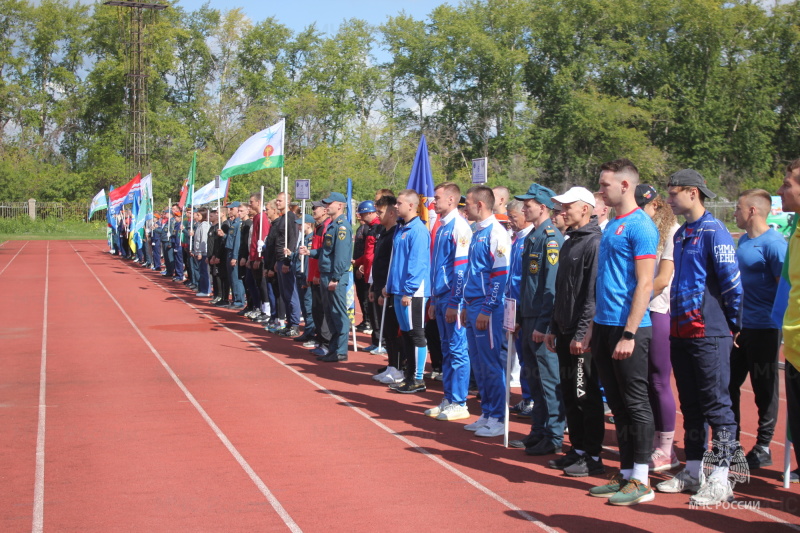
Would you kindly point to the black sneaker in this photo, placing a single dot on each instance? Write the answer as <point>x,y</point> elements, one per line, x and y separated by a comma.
<point>758,458</point>
<point>289,332</point>
<point>544,447</point>
<point>564,461</point>
<point>411,386</point>
<point>527,442</point>
<point>216,300</point>
<point>585,466</point>
<point>221,303</point>
<point>395,386</point>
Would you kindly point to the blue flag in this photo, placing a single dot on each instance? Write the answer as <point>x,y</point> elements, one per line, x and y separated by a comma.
<point>421,180</point>
<point>351,288</point>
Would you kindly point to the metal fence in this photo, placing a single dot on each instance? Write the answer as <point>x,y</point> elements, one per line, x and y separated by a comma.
<point>49,210</point>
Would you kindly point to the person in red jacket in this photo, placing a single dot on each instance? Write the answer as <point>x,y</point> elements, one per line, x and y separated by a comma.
<point>322,335</point>
<point>364,255</point>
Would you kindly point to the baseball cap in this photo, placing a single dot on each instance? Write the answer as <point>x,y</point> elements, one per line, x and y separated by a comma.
<point>335,197</point>
<point>234,204</point>
<point>645,193</point>
<point>462,202</point>
<point>575,194</point>
<point>306,218</point>
<point>690,178</point>
<point>317,203</point>
<point>540,193</point>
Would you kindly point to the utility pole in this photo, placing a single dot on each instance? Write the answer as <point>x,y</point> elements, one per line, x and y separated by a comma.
<point>140,15</point>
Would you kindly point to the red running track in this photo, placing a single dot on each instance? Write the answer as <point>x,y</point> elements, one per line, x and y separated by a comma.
<point>162,414</point>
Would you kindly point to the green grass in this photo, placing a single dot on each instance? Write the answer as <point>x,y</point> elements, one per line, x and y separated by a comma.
<point>23,228</point>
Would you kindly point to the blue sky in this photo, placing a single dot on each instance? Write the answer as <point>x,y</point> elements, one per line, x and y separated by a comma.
<point>328,14</point>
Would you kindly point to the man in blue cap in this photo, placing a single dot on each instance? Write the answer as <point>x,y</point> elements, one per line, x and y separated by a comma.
<point>537,297</point>
<point>335,261</point>
<point>232,243</point>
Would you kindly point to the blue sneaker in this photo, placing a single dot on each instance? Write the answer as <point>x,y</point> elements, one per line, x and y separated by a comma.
<point>319,351</point>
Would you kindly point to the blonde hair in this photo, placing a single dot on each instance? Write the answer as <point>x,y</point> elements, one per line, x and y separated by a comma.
<point>664,219</point>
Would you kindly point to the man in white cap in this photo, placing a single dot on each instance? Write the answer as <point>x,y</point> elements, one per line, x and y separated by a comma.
<point>571,330</point>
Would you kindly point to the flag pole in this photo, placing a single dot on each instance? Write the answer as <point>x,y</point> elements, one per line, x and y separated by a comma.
<point>261,217</point>
<point>169,218</point>
<point>302,233</point>
<point>286,213</point>
<point>787,453</point>
<point>511,354</point>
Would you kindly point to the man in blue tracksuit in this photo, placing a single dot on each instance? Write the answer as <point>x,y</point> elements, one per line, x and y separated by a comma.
<point>705,311</point>
<point>232,244</point>
<point>449,260</point>
<point>409,285</point>
<point>175,232</point>
<point>335,262</point>
<point>487,271</point>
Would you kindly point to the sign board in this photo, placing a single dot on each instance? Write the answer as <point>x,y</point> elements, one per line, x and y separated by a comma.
<point>509,314</point>
<point>302,189</point>
<point>479,170</point>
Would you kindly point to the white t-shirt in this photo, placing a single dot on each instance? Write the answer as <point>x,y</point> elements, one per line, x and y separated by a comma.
<point>660,304</point>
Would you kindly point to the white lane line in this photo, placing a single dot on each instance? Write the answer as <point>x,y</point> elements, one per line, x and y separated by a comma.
<point>290,523</point>
<point>441,462</point>
<point>16,254</point>
<point>38,484</point>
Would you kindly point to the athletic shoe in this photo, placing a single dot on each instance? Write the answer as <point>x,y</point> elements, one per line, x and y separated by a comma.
<point>304,337</point>
<point>396,385</point>
<point>367,330</point>
<point>310,344</point>
<point>713,491</point>
<point>244,311</point>
<point>660,462</point>
<point>526,411</point>
<point>203,294</point>
<point>411,387</point>
<point>370,348</point>
<point>478,424</point>
<point>437,376</point>
<point>527,442</point>
<point>216,299</point>
<point>381,369</point>
<point>516,408</point>
<point>493,428</point>
<point>569,459</point>
<point>758,458</point>
<point>454,411</point>
<point>683,481</point>
<point>433,412</point>
<point>585,466</point>
<point>378,351</point>
<point>632,493</point>
<point>221,303</point>
<point>794,476</point>
<point>263,319</point>
<point>392,376</point>
<point>544,447</point>
<point>379,375</point>
<point>319,351</point>
<point>289,332</point>
<point>614,485</point>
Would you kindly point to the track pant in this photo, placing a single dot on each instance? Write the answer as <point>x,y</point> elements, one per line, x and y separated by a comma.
<point>702,374</point>
<point>583,401</point>
<point>486,359</point>
<point>391,330</point>
<point>757,355</point>
<point>625,384</point>
<point>541,370</point>
<point>455,355</point>
<point>288,287</point>
<point>411,319</point>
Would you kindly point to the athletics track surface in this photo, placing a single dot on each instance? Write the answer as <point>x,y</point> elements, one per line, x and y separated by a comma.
<point>128,404</point>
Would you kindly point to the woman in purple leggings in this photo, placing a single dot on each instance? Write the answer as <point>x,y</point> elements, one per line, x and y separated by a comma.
<point>662,401</point>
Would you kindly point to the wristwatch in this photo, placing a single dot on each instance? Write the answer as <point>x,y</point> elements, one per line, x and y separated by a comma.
<point>627,335</point>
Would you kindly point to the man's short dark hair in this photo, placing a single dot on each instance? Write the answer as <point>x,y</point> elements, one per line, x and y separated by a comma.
<point>387,200</point>
<point>449,187</point>
<point>791,167</point>
<point>621,166</point>
<point>482,193</point>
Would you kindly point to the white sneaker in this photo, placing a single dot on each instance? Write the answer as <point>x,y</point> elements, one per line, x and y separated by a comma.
<point>454,411</point>
<point>715,490</point>
<point>683,481</point>
<point>433,412</point>
<point>378,351</point>
<point>493,428</point>
<point>378,377</point>
<point>478,424</point>
<point>393,376</point>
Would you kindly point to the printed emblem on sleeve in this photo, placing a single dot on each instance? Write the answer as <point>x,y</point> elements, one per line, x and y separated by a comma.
<point>552,244</point>
<point>552,257</point>
<point>342,233</point>
<point>501,251</point>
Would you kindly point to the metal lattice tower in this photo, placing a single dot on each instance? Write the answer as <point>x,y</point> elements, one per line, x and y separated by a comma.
<point>140,15</point>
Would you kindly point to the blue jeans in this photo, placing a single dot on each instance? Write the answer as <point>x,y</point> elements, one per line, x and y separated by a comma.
<point>486,358</point>
<point>540,369</point>
<point>237,287</point>
<point>286,284</point>
<point>455,355</point>
<point>204,284</point>
<point>306,303</point>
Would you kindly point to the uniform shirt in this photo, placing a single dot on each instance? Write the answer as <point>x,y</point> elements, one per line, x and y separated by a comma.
<point>760,262</point>
<point>706,292</point>
<point>337,249</point>
<point>515,263</point>
<point>410,272</point>
<point>537,291</point>
<point>449,258</point>
<point>626,239</point>
<point>231,238</point>
<point>791,320</point>
<point>487,265</point>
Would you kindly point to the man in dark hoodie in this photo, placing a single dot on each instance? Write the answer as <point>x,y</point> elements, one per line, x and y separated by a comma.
<point>571,330</point>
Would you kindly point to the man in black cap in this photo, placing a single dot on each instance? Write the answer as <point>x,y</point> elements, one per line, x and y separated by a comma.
<point>335,259</point>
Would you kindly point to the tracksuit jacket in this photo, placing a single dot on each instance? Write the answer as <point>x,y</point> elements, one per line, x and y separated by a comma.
<point>450,251</point>
<point>487,268</point>
<point>575,281</point>
<point>409,274</point>
<point>706,290</point>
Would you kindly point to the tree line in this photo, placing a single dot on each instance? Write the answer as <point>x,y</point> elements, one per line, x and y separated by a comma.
<point>546,89</point>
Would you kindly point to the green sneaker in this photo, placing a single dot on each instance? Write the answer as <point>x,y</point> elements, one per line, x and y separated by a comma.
<point>632,493</point>
<point>614,485</point>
